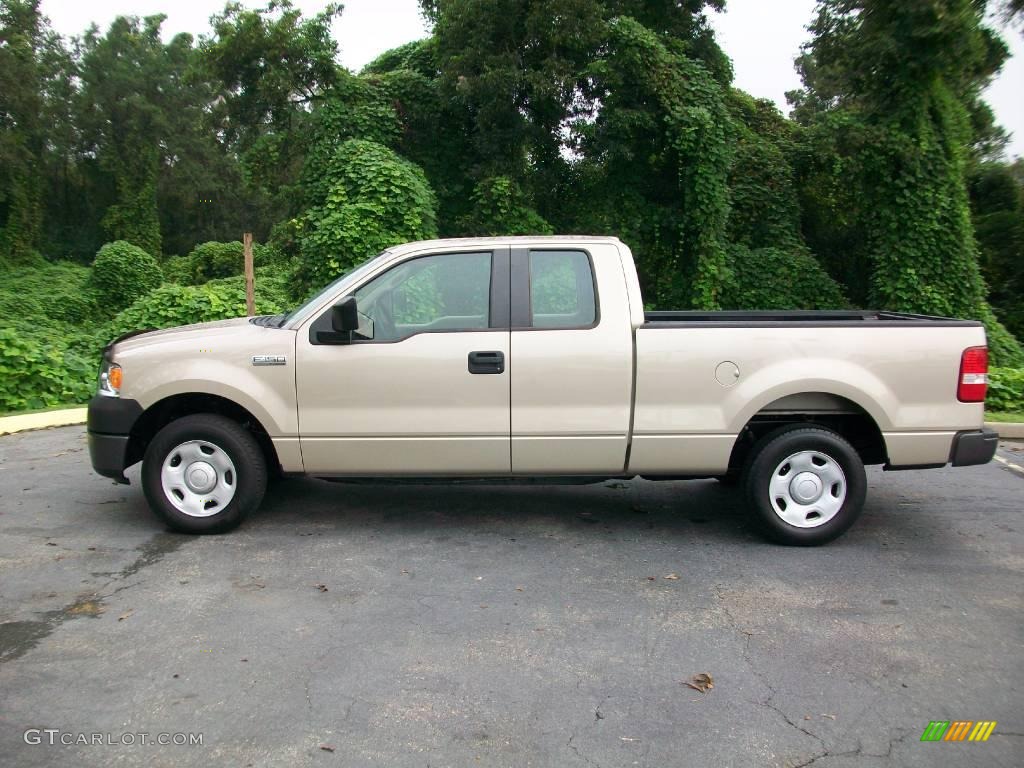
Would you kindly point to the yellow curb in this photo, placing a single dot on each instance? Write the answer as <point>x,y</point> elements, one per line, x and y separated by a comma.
<point>27,421</point>
<point>1008,430</point>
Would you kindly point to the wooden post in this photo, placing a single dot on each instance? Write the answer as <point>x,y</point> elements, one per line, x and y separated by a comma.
<point>250,275</point>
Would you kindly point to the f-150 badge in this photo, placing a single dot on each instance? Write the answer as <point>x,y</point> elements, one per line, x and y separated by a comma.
<point>269,360</point>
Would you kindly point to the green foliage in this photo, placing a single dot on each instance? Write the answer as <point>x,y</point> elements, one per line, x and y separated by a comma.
<point>48,344</point>
<point>997,204</point>
<point>272,65</point>
<point>48,293</point>
<point>419,56</point>
<point>355,108</point>
<point>366,199</point>
<point>121,273</point>
<point>172,305</point>
<point>134,217</point>
<point>698,140</point>
<point>1005,389</point>
<point>501,208</point>
<point>772,278</point>
<point>1003,347</point>
<point>269,59</point>
<point>127,103</point>
<point>764,210</point>
<point>25,46</point>
<point>38,371</point>
<point>512,117</point>
<point>213,260</point>
<point>912,132</point>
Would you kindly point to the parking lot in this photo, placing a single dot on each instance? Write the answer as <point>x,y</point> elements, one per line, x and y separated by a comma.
<point>419,625</point>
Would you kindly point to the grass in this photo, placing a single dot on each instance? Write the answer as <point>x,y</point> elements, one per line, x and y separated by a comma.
<point>1015,416</point>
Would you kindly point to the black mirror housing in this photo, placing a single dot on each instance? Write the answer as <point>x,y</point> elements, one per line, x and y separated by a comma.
<point>345,316</point>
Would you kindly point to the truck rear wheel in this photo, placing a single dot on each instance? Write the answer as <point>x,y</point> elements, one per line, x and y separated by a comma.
<point>203,474</point>
<point>805,485</point>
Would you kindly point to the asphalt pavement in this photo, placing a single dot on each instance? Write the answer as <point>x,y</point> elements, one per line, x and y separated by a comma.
<point>423,625</point>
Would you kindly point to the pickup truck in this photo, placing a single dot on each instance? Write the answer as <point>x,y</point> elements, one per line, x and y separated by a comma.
<point>499,359</point>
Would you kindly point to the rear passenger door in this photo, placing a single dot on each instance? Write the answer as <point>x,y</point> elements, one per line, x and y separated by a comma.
<point>572,360</point>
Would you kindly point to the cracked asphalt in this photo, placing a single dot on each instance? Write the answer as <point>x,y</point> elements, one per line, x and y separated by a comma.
<point>414,625</point>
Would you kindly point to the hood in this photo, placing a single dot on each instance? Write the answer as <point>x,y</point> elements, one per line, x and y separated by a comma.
<point>142,338</point>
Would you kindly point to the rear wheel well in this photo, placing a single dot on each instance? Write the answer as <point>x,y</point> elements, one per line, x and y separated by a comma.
<point>831,412</point>
<point>162,413</point>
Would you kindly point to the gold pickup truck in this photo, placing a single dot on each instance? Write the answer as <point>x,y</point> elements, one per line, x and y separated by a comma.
<point>508,358</point>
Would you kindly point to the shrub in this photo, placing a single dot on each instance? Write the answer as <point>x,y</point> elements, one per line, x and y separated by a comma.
<point>1003,349</point>
<point>122,273</point>
<point>50,292</point>
<point>213,260</point>
<point>1005,389</point>
<point>178,269</point>
<point>772,278</point>
<point>501,208</point>
<point>39,371</point>
<point>364,199</point>
<point>172,305</point>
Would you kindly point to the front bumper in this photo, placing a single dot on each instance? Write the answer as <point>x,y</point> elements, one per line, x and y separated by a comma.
<point>107,453</point>
<point>109,426</point>
<point>975,447</point>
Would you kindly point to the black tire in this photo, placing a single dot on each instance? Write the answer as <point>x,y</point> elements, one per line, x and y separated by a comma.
<point>775,448</point>
<point>249,478</point>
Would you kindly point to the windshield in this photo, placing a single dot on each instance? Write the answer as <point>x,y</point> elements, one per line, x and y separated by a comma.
<point>302,312</point>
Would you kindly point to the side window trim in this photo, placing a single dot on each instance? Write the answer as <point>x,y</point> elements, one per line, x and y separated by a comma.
<point>521,318</point>
<point>498,298</point>
<point>501,290</point>
<point>522,311</point>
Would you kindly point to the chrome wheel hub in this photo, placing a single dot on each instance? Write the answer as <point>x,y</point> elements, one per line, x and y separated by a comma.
<point>807,489</point>
<point>198,478</point>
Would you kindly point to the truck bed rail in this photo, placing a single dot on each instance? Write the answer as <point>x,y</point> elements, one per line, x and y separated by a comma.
<point>798,318</point>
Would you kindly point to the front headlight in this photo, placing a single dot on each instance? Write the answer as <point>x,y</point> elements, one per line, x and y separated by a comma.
<point>110,379</point>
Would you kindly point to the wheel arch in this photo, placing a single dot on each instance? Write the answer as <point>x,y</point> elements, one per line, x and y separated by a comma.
<point>164,411</point>
<point>830,410</point>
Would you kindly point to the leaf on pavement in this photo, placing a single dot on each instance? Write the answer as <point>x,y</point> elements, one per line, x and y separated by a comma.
<point>702,682</point>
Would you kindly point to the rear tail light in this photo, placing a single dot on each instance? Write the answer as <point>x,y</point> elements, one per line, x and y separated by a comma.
<point>973,379</point>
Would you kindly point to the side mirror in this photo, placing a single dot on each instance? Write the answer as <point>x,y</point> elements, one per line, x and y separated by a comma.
<point>345,316</point>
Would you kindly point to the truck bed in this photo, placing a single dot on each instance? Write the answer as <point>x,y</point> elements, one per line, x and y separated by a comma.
<point>799,318</point>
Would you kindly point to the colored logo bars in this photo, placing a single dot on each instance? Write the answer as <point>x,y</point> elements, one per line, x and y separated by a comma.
<point>958,730</point>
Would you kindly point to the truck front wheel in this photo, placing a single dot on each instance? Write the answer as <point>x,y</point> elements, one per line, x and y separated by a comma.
<point>805,485</point>
<point>203,474</point>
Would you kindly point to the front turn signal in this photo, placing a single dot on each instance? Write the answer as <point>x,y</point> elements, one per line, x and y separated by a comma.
<point>111,378</point>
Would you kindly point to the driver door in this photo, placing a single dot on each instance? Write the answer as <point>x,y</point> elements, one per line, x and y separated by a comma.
<point>423,387</point>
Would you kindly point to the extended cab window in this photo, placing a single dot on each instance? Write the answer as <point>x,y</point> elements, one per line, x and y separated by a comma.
<point>447,292</point>
<point>561,290</point>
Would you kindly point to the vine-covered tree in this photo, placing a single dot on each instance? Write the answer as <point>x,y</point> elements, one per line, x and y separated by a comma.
<point>124,117</point>
<point>531,116</point>
<point>364,198</point>
<point>273,67</point>
<point>26,53</point>
<point>895,82</point>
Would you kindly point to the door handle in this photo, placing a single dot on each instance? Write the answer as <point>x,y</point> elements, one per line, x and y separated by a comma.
<point>486,362</point>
